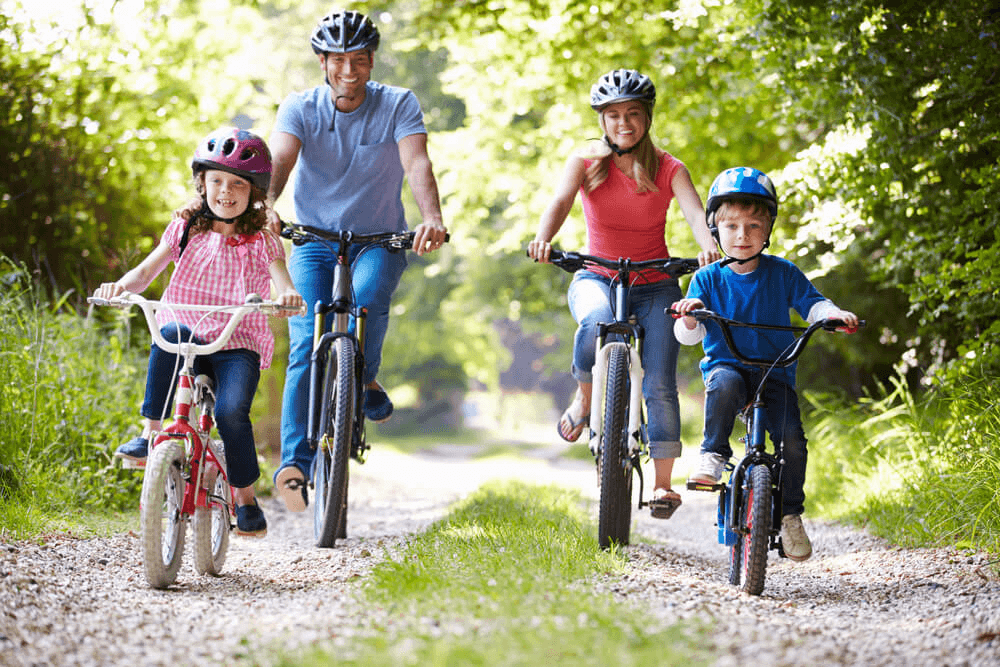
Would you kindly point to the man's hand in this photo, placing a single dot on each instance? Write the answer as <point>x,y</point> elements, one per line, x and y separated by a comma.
<point>428,236</point>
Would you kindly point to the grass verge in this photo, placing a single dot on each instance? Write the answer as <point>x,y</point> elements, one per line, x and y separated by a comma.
<point>505,580</point>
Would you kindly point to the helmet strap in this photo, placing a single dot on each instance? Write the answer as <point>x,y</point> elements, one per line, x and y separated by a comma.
<point>206,212</point>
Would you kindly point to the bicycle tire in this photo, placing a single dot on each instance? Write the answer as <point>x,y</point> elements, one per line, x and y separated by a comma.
<point>211,524</point>
<point>333,455</point>
<point>160,514</point>
<point>757,521</point>
<point>615,513</point>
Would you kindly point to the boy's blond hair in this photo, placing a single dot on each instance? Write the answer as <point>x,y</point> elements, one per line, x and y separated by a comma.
<point>752,206</point>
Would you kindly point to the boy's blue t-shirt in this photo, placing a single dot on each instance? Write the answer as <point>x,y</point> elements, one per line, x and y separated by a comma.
<point>764,296</point>
<point>350,177</point>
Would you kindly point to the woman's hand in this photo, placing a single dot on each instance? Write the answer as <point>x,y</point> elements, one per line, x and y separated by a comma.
<point>706,257</point>
<point>540,251</point>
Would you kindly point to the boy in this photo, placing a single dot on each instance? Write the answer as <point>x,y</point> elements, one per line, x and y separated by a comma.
<point>750,286</point>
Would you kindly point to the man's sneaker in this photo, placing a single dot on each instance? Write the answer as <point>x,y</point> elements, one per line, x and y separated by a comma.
<point>250,521</point>
<point>377,406</point>
<point>133,453</point>
<point>710,468</point>
<point>794,539</point>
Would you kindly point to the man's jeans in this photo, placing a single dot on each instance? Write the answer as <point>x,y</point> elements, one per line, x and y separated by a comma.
<point>728,389</point>
<point>376,276</point>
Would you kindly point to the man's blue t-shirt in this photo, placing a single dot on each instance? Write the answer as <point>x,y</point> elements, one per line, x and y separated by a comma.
<point>763,296</point>
<point>349,175</point>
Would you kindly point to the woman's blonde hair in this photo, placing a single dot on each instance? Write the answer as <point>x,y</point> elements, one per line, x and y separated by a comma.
<point>644,168</point>
<point>250,221</point>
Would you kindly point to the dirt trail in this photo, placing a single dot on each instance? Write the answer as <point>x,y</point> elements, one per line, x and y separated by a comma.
<point>856,602</point>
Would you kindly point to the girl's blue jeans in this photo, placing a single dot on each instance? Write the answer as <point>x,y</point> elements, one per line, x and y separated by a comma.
<point>727,390</point>
<point>235,374</point>
<point>376,275</point>
<point>590,302</point>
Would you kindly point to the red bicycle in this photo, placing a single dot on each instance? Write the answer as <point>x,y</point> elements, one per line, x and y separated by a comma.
<point>185,473</point>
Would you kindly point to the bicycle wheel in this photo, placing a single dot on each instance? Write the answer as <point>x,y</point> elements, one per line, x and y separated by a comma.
<point>211,523</point>
<point>160,513</point>
<point>615,518</point>
<point>757,522</point>
<point>336,417</point>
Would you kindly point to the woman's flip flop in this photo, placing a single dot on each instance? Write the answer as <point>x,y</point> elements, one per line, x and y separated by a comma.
<point>664,503</point>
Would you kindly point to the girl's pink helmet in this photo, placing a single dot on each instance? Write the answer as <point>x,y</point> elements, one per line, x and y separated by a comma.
<point>237,151</point>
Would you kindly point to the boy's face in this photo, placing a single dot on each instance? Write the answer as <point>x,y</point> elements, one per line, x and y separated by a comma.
<point>742,234</point>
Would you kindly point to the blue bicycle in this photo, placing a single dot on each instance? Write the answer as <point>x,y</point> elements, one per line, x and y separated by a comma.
<point>749,514</point>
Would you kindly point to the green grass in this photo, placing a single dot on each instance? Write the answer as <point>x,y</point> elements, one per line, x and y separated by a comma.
<point>919,471</point>
<point>506,579</point>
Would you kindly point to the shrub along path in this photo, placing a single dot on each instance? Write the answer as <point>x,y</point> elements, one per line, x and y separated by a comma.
<point>67,601</point>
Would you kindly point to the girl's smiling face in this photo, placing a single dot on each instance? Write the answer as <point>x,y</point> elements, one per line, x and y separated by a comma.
<point>625,123</point>
<point>228,195</point>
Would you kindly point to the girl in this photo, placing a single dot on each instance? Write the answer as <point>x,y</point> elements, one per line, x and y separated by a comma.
<point>626,187</point>
<point>222,252</point>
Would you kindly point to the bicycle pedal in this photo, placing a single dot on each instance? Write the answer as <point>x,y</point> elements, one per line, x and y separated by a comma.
<point>703,486</point>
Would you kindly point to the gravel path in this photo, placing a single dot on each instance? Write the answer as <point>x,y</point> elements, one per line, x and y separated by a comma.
<point>858,601</point>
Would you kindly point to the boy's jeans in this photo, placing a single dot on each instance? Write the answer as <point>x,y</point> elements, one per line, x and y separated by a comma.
<point>376,276</point>
<point>236,374</point>
<point>727,390</point>
<point>590,303</point>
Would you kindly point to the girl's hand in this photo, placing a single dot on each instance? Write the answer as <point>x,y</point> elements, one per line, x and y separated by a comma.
<point>291,299</point>
<point>849,318</point>
<point>108,290</point>
<point>540,251</point>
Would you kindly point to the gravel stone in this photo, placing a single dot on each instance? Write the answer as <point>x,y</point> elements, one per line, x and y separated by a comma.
<point>858,601</point>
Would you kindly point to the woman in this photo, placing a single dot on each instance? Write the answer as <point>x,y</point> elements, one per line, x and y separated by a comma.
<point>626,186</point>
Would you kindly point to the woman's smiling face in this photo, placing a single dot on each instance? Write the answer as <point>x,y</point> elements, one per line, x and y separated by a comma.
<point>625,123</point>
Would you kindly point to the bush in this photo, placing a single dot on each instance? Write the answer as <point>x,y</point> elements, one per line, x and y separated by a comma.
<point>69,393</point>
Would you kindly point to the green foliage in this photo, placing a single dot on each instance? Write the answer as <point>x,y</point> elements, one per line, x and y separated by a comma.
<point>101,113</point>
<point>914,86</point>
<point>497,582</point>
<point>69,394</point>
<point>917,470</point>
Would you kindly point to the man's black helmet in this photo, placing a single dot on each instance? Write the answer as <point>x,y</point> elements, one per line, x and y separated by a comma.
<point>621,85</point>
<point>343,32</point>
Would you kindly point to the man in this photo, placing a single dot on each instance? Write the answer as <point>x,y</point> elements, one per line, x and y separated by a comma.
<point>354,141</point>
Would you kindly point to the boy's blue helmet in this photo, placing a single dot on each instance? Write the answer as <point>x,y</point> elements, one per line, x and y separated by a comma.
<point>742,182</point>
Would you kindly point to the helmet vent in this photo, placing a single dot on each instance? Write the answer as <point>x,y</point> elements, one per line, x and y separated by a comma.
<point>228,147</point>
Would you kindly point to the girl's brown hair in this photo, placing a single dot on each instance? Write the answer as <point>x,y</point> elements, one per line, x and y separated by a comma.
<point>644,169</point>
<point>250,221</point>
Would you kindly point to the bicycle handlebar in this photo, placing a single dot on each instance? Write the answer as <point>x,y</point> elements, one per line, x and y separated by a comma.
<point>572,262</point>
<point>149,308</point>
<point>786,358</point>
<point>299,234</point>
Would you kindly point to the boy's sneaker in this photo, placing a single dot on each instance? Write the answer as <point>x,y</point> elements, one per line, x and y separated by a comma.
<point>133,453</point>
<point>709,469</point>
<point>794,540</point>
<point>250,521</point>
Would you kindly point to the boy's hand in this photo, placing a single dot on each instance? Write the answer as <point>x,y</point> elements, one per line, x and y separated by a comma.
<point>685,306</point>
<point>848,318</point>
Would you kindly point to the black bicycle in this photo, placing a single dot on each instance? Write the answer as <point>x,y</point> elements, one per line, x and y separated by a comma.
<point>616,404</point>
<point>749,514</point>
<point>336,422</point>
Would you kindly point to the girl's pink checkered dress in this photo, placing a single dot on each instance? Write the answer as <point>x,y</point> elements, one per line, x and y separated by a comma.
<point>217,270</point>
